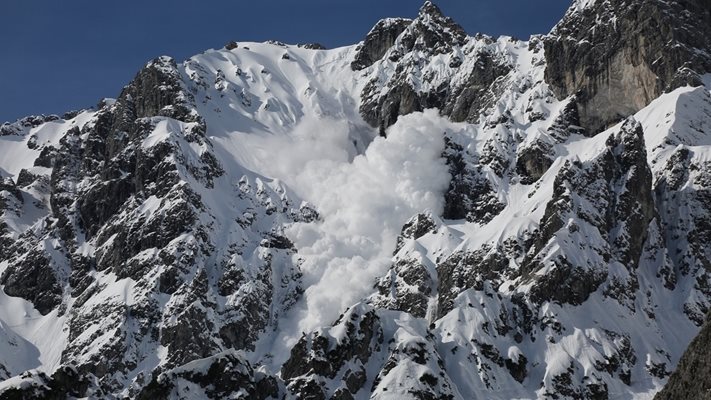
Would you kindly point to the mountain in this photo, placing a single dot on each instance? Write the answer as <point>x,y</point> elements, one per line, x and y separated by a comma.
<point>422,215</point>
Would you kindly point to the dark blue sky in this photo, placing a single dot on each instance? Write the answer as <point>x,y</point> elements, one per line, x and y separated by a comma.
<point>57,56</point>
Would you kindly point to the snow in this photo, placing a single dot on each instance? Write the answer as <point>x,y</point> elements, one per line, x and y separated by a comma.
<point>288,130</point>
<point>302,127</point>
<point>33,340</point>
<point>580,5</point>
<point>363,205</point>
<point>17,155</point>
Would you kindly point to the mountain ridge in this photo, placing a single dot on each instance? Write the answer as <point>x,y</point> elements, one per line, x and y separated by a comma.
<point>192,238</point>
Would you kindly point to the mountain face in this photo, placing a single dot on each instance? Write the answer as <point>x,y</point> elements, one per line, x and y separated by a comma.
<point>423,215</point>
<point>603,48</point>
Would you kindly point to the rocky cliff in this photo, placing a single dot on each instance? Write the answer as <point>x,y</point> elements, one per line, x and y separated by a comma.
<point>618,56</point>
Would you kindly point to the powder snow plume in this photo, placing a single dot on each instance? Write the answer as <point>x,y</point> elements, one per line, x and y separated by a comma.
<point>363,202</point>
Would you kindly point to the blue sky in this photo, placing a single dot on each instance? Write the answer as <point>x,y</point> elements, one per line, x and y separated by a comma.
<point>57,56</point>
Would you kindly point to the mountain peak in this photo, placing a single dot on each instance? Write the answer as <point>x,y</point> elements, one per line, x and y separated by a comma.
<point>435,29</point>
<point>432,17</point>
<point>431,30</point>
<point>429,8</point>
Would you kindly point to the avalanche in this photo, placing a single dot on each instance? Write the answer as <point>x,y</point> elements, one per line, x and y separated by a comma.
<point>420,215</point>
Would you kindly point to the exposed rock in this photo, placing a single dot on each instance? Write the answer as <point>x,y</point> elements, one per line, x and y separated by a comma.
<point>312,46</point>
<point>410,46</point>
<point>470,194</point>
<point>478,92</point>
<point>156,90</point>
<point>686,213</point>
<point>227,374</point>
<point>46,157</point>
<point>462,271</point>
<point>26,178</point>
<point>566,122</point>
<point>8,188</point>
<point>378,41</point>
<point>619,184</point>
<point>413,369</point>
<point>415,228</point>
<point>65,383</point>
<point>32,277</point>
<point>319,356</point>
<point>23,125</point>
<point>616,56</point>
<point>432,31</point>
<point>517,368</point>
<point>533,162</point>
<point>407,287</point>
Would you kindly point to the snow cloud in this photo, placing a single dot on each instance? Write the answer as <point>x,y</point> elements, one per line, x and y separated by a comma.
<point>363,200</point>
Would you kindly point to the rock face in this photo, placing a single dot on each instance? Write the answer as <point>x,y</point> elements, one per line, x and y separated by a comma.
<point>323,356</point>
<point>619,185</point>
<point>216,377</point>
<point>616,56</point>
<point>378,41</point>
<point>148,250</point>
<point>470,195</point>
<point>128,186</point>
<point>416,49</point>
<point>64,383</point>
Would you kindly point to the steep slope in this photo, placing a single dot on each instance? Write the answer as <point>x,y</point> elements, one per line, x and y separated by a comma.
<point>135,243</point>
<point>691,379</point>
<point>584,305</point>
<point>424,215</point>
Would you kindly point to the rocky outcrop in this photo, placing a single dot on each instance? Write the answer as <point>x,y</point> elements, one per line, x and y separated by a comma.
<point>433,32</point>
<point>425,377</point>
<point>337,362</point>
<point>378,41</point>
<point>612,203</point>
<point>33,278</point>
<point>415,228</point>
<point>616,56</point>
<point>23,125</point>
<point>156,91</point>
<point>470,194</point>
<point>103,156</point>
<point>64,383</point>
<point>227,374</point>
<point>462,271</point>
<point>686,213</point>
<point>479,91</point>
<point>409,85</point>
<point>407,287</point>
<point>534,161</point>
<point>312,46</point>
<point>10,201</point>
<point>128,185</point>
<point>342,351</point>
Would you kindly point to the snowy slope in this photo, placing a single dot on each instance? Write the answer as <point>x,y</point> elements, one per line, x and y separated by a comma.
<point>414,216</point>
